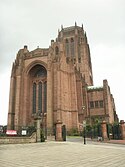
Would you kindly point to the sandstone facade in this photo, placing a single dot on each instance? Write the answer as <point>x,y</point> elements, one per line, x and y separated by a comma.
<point>56,84</point>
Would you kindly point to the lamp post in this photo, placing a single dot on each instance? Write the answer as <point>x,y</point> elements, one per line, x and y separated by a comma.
<point>84,127</point>
<point>45,128</point>
<point>83,107</point>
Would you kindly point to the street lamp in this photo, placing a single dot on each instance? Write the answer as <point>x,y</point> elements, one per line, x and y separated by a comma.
<point>45,128</point>
<point>84,127</point>
<point>83,107</point>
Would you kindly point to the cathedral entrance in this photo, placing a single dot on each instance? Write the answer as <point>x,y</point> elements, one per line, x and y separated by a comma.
<point>38,94</point>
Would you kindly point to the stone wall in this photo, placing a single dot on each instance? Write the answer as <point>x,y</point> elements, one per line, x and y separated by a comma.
<point>17,140</point>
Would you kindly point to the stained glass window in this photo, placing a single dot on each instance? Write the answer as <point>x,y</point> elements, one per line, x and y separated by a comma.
<point>34,98</point>
<point>40,97</point>
<point>45,96</point>
<point>41,72</point>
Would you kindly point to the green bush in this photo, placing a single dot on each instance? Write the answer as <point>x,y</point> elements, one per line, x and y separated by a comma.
<point>73,132</point>
<point>42,136</point>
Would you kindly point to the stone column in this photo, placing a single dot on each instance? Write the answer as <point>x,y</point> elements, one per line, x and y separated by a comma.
<point>10,123</point>
<point>49,101</point>
<point>38,130</point>
<point>122,126</point>
<point>17,101</point>
<point>74,105</point>
<point>104,130</point>
<point>25,100</point>
<point>59,131</point>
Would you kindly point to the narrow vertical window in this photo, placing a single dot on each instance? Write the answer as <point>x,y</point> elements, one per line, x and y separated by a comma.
<point>101,103</point>
<point>34,98</point>
<point>96,104</point>
<point>45,96</point>
<point>67,47</point>
<point>91,104</point>
<point>72,47</point>
<point>56,50</point>
<point>40,97</point>
<point>79,52</point>
<point>79,60</point>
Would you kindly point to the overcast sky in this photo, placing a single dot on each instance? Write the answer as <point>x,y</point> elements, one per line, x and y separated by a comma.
<point>36,22</point>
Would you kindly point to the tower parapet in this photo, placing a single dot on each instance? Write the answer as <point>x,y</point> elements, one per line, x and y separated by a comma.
<point>76,50</point>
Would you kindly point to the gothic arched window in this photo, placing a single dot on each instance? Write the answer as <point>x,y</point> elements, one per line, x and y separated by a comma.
<point>34,98</point>
<point>67,47</point>
<point>41,72</point>
<point>40,97</point>
<point>38,92</point>
<point>56,50</point>
<point>45,96</point>
<point>72,47</point>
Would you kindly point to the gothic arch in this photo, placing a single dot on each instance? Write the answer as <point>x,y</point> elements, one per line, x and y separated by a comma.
<point>35,83</point>
<point>34,63</point>
<point>56,50</point>
<point>37,76</point>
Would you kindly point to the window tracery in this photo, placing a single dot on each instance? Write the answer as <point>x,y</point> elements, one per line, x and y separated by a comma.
<point>39,89</point>
<point>34,98</point>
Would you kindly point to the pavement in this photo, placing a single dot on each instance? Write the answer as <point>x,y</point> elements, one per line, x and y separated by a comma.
<point>80,139</point>
<point>72,153</point>
<point>115,141</point>
<point>112,141</point>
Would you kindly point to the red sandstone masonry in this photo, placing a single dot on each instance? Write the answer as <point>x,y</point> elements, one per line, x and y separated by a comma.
<point>18,140</point>
<point>66,74</point>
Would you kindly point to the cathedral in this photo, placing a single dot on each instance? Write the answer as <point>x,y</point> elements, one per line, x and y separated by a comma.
<point>56,83</point>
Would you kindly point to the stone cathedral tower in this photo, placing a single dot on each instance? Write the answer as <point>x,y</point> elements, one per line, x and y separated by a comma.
<point>54,83</point>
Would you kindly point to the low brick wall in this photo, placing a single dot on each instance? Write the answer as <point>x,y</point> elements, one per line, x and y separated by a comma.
<point>17,140</point>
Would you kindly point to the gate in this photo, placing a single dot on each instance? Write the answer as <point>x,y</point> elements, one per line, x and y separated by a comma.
<point>64,132</point>
<point>109,131</point>
<point>94,131</point>
<point>114,131</point>
<point>54,131</point>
